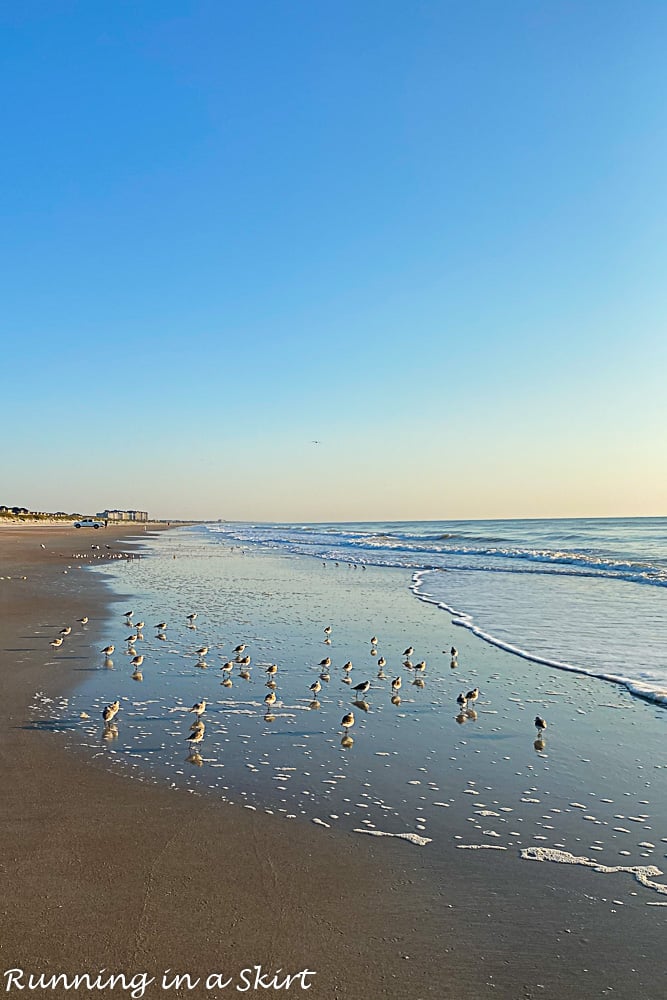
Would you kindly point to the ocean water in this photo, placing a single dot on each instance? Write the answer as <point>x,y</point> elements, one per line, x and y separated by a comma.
<point>584,594</point>
<point>415,764</point>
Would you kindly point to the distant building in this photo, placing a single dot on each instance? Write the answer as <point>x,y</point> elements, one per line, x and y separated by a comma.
<point>123,515</point>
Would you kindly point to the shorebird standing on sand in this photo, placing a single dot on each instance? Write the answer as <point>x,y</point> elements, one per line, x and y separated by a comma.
<point>270,699</point>
<point>316,688</point>
<point>347,721</point>
<point>198,708</point>
<point>108,650</point>
<point>407,653</point>
<point>66,630</point>
<point>326,662</point>
<point>136,661</point>
<point>540,725</point>
<point>196,737</point>
<point>191,618</point>
<point>396,685</point>
<point>56,643</point>
<point>83,621</point>
<point>111,711</point>
<point>472,695</point>
<point>161,626</point>
<point>362,688</point>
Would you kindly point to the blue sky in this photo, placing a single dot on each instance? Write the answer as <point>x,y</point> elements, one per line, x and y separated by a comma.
<point>430,236</point>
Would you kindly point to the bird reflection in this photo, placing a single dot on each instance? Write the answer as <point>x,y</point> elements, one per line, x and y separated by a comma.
<point>539,744</point>
<point>363,705</point>
<point>347,742</point>
<point>108,663</point>
<point>137,675</point>
<point>269,717</point>
<point>453,663</point>
<point>314,705</point>
<point>195,759</point>
<point>461,718</point>
<point>227,683</point>
<point>110,732</point>
<point>471,714</point>
<point>419,682</point>
<point>396,699</point>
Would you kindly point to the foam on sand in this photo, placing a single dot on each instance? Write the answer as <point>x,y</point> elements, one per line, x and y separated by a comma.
<point>640,872</point>
<point>413,838</point>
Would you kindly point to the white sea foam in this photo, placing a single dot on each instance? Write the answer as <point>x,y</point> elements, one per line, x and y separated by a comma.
<point>642,873</point>
<point>413,838</point>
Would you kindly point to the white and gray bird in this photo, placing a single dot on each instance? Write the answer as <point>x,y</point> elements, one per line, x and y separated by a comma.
<point>362,688</point>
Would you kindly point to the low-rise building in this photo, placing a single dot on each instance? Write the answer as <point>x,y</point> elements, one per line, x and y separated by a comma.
<point>124,515</point>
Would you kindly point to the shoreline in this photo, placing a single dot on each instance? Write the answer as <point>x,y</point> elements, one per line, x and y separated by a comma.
<point>148,869</point>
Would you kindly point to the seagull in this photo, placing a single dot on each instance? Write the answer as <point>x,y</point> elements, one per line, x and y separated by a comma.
<point>540,725</point>
<point>362,688</point>
<point>198,708</point>
<point>108,650</point>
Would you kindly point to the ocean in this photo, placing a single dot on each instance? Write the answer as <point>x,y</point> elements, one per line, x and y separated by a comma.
<point>584,594</point>
<point>564,620</point>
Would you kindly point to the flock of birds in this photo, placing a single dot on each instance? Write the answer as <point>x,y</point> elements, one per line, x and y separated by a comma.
<point>465,701</point>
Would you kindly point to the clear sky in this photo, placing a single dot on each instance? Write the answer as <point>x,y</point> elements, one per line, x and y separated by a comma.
<point>430,236</point>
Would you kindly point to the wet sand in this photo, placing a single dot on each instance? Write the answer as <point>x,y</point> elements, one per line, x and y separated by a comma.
<point>102,871</point>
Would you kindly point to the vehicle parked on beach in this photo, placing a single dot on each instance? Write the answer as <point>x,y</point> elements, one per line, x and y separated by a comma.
<point>89,523</point>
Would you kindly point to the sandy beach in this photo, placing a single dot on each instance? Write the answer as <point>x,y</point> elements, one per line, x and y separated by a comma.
<point>100,871</point>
